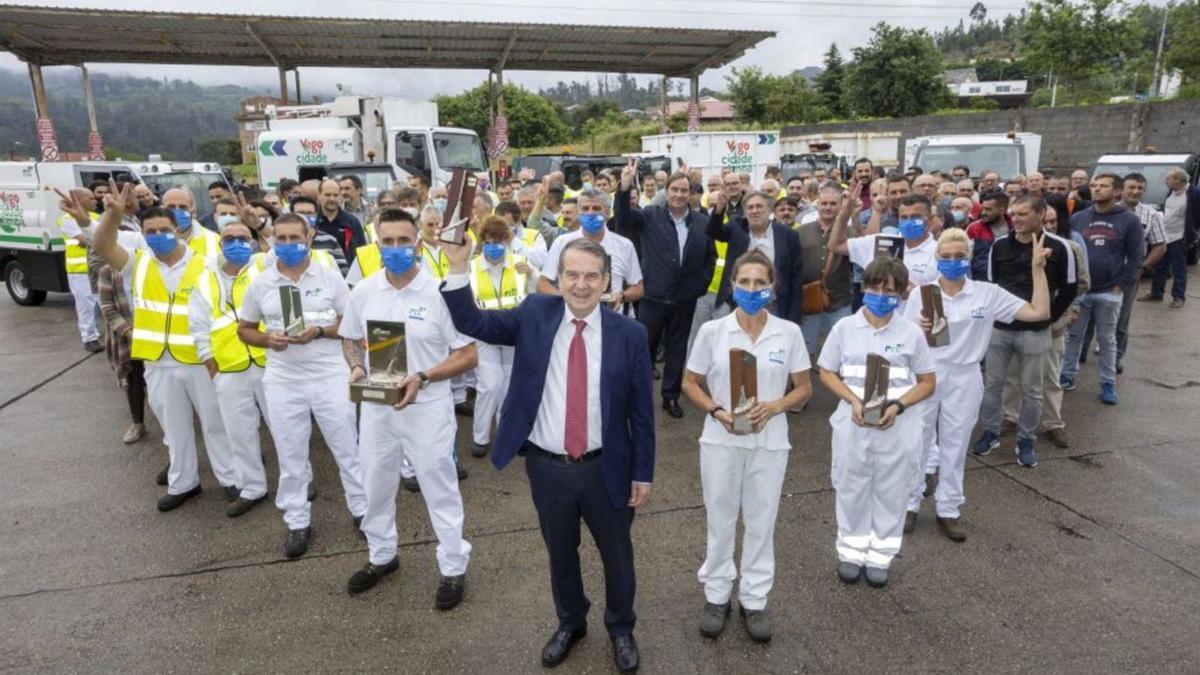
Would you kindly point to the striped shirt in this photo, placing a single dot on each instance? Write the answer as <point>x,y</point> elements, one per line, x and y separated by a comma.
<point>1152,224</point>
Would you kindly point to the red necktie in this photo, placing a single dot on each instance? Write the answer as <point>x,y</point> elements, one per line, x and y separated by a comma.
<point>575,436</point>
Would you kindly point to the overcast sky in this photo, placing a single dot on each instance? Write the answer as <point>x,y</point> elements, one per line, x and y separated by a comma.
<point>804,31</point>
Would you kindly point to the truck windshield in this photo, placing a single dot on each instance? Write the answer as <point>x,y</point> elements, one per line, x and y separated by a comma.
<point>459,151</point>
<point>1006,159</point>
<point>1156,178</point>
<point>197,183</point>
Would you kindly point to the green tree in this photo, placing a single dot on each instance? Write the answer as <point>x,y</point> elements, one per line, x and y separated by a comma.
<point>762,99</point>
<point>532,120</point>
<point>1076,40</point>
<point>897,74</point>
<point>1183,34</point>
<point>749,89</point>
<point>831,83</point>
<point>221,150</point>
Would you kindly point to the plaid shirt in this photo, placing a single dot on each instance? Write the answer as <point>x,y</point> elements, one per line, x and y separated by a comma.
<point>118,317</point>
<point>1152,224</point>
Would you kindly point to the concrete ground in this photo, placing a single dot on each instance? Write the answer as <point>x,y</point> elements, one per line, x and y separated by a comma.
<point>1087,563</point>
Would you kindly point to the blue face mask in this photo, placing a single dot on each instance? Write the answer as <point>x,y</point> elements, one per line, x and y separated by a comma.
<point>440,204</point>
<point>959,217</point>
<point>236,251</point>
<point>183,218</point>
<point>312,221</point>
<point>591,222</point>
<point>162,243</point>
<point>954,269</point>
<point>493,252</point>
<point>912,228</point>
<point>291,254</point>
<point>398,259</point>
<point>879,304</point>
<point>752,301</point>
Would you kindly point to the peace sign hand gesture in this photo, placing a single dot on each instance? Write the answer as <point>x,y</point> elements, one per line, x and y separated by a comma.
<point>70,204</point>
<point>628,174</point>
<point>1040,252</point>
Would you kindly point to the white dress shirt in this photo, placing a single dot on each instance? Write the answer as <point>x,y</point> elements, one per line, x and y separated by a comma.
<point>549,430</point>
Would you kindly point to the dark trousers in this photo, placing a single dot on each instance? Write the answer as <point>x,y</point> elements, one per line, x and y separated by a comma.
<point>670,324</point>
<point>135,391</point>
<point>1174,260</point>
<point>563,493</point>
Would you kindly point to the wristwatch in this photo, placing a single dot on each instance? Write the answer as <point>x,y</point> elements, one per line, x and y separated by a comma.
<point>424,379</point>
<point>716,409</point>
<point>900,407</point>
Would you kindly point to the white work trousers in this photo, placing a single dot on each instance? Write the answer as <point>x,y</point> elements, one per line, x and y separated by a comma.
<point>87,306</point>
<point>289,405</point>
<point>949,417</point>
<point>872,472</point>
<point>749,481</point>
<point>174,392</point>
<point>424,433</point>
<point>492,372</point>
<point>240,397</point>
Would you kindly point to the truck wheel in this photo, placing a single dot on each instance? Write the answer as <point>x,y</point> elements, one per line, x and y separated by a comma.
<point>18,286</point>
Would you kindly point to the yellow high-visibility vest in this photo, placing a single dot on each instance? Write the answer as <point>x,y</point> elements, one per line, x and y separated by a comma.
<point>529,235</point>
<point>512,284</point>
<point>76,253</point>
<point>369,232</point>
<point>231,354</point>
<point>204,242</point>
<point>722,247</point>
<point>160,318</point>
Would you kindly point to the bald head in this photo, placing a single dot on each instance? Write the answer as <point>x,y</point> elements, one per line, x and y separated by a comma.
<point>311,189</point>
<point>179,198</point>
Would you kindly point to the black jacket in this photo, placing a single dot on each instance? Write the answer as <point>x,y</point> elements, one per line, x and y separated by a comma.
<point>1010,267</point>
<point>668,279</point>
<point>789,275</point>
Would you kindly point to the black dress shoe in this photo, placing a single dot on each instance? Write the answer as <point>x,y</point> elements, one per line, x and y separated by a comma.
<point>466,408</point>
<point>93,346</point>
<point>559,646</point>
<point>231,492</point>
<point>368,576</point>
<point>625,653</point>
<point>450,591</point>
<point>410,483</point>
<point>241,506</point>
<point>296,543</point>
<point>671,405</point>
<point>161,478</point>
<point>479,450</point>
<point>168,502</point>
<point>462,471</point>
<point>312,491</point>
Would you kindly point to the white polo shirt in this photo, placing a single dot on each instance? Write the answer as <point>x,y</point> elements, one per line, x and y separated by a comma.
<point>429,332</point>
<point>626,270</point>
<point>970,314</point>
<point>779,351</point>
<point>900,341</point>
<point>921,260</point>
<point>323,294</point>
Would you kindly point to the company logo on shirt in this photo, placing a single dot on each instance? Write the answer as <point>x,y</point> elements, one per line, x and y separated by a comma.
<point>417,313</point>
<point>313,292</point>
<point>977,313</point>
<point>897,348</point>
<point>777,356</point>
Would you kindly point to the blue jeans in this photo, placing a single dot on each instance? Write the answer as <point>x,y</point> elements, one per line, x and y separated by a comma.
<point>1104,308</point>
<point>1176,260</point>
<point>816,326</point>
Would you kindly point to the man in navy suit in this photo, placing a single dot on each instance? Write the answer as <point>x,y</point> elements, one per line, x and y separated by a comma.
<point>581,412</point>
<point>678,259</point>
<point>755,230</point>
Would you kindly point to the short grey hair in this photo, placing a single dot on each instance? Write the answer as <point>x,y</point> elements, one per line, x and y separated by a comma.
<point>429,210</point>
<point>587,246</point>
<point>596,196</point>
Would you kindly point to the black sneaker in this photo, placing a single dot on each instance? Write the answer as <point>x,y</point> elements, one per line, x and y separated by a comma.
<point>296,543</point>
<point>168,502</point>
<point>93,346</point>
<point>450,591</point>
<point>410,483</point>
<point>162,478</point>
<point>466,409</point>
<point>369,575</point>
<point>240,506</point>
<point>312,491</point>
<point>462,471</point>
<point>231,492</point>
<point>712,619</point>
<point>479,450</point>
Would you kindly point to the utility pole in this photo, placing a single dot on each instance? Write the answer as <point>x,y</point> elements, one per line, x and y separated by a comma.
<point>1155,88</point>
<point>1053,88</point>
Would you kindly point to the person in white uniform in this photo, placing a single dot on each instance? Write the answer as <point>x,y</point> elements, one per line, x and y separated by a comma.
<point>950,414</point>
<point>305,375</point>
<point>236,368</point>
<point>500,279</point>
<point>920,247</point>
<point>874,467</point>
<point>626,285</point>
<point>160,282</point>
<point>743,471</point>
<point>422,425</point>
<point>76,227</point>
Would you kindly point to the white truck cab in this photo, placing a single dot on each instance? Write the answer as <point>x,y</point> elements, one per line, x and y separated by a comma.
<point>31,246</point>
<point>161,176</point>
<point>1007,154</point>
<point>354,129</point>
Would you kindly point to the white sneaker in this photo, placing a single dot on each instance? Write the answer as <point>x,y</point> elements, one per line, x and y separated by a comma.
<point>134,433</point>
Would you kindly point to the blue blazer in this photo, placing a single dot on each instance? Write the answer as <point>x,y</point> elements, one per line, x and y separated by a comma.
<point>626,403</point>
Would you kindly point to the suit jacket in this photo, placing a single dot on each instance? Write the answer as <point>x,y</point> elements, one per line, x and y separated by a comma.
<point>626,403</point>
<point>789,275</point>
<point>1191,224</point>
<point>667,278</point>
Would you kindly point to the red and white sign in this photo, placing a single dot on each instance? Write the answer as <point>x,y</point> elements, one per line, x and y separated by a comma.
<point>95,146</point>
<point>47,139</point>
<point>497,138</point>
<point>693,117</point>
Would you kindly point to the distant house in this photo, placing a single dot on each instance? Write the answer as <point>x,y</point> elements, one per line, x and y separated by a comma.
<point>957,76</point>
<point>1008,93</point>
<point>711,110</point>
<point>251,119</point>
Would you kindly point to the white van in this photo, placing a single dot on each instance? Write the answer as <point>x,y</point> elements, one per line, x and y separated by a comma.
<point>31,247</point>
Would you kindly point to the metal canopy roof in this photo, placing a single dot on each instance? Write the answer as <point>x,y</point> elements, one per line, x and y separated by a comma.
<point>56,36</point>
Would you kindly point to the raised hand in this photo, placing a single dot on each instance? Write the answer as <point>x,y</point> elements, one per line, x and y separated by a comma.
<point>628,174</point>
<point>1040,252</point>
<point>69,204</point>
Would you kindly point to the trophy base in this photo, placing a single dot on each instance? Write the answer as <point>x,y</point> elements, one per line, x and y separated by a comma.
<point>742,424</point>
<point>375,392</point>
<point>873,416</point>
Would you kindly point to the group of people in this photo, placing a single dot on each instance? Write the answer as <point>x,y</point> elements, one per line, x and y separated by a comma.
<point>557,309</point>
